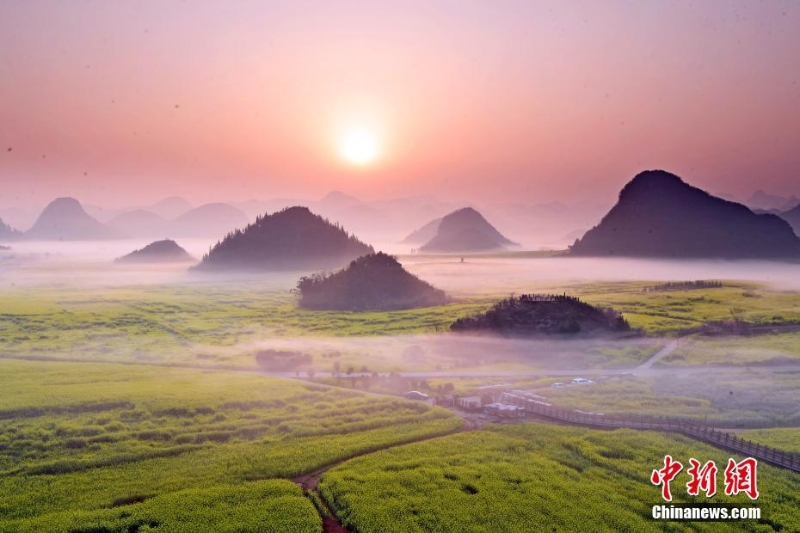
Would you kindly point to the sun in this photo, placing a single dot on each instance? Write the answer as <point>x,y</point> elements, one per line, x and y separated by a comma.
<point>359,147</point>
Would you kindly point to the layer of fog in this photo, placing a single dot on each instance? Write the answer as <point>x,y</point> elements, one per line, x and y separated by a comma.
<point>91,263</point>
<point>477,276</point>
<point>444,352</point>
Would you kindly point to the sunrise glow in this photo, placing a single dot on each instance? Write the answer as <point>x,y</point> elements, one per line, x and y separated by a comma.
<point>359,147</point>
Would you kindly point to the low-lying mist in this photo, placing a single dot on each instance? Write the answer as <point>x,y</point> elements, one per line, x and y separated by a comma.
<point>445,353</point>
<point>91,263</point>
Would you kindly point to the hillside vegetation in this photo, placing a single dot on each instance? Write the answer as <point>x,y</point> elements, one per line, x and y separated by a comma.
<point>539,314</point>
<point>294,238</point>
<point>376,282</point>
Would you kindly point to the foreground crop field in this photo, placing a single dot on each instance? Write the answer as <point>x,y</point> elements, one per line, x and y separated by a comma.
<point>78,439</point>
<point>519,478</point>
<point>269,506</point>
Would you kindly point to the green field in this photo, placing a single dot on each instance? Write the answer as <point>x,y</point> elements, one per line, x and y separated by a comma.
<point>137,408</point>
<point>77,440</point>
<point>770,348</point>
<point>223,325</point>
<point>757,398</point>
<point>670,312</point>
<point>206,324</point>
<point>786,439</point>
<point>270,506</point>
<point>519,478</point>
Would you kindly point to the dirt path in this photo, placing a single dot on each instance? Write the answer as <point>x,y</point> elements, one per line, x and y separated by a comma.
<point>310,480</point>
<point>665,351</point>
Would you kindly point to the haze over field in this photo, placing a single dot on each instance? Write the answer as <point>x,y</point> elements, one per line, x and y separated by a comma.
<point>319,266</point>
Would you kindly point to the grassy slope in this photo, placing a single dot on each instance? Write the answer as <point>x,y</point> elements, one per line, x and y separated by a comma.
<point>518,478</point>
<point>77,437</point>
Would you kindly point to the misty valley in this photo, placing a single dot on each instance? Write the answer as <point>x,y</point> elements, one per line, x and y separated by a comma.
<point>294,379</point>
<point>418,266</point>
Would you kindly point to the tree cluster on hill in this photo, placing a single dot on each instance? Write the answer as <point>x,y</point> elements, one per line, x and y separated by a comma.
<point>7,233</point>
<point>544,314</point>
<point>375,282</point>
<point>293,238</point>
<point>282,360</point>
<point>684,286</point>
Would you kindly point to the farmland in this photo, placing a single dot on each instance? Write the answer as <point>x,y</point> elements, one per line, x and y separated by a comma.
<point>517,478</point>
<point>758,398</point>
<point>215,324</point>
<point>787,439</point>
<point>126,406</point>
<point>79,439</point>
<point>769,348</point>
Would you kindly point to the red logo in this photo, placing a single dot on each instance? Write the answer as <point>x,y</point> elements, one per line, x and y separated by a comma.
<point>703,478</point>
<point>665,475</point>
<point>739,477</point>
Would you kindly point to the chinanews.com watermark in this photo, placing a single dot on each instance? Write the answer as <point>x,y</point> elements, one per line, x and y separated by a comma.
<point>738,478</point>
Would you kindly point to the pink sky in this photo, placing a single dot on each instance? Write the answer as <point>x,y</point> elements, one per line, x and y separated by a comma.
<point>120,103</point>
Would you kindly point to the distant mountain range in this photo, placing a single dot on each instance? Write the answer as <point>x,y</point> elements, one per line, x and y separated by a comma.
<point>769,202</point>
<point>792,216</point>
<point>425,233</point>
<point>543,225</point>
<point>464,230</point>
<point>166,251</point>
<point>208,220</point>
<point>291,239</point>
<point>659,215</point>
<point>65,220</point>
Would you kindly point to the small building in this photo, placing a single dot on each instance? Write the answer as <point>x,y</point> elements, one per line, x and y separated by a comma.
<point>448,400</point>
<point>472,403</point>
<point>415,395</point>
<point>504,410</point>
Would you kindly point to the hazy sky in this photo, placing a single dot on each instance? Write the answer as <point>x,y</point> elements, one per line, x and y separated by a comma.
<point>128,102</point>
